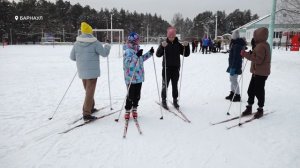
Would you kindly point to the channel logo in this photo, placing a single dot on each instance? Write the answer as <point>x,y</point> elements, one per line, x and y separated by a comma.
<point>31,18</point>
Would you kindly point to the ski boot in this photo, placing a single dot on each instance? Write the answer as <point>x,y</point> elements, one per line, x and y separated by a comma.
<point>134,112</point>
<point>229,97</point>
<point>127,115</point>
<point>236,98</point>
<point>248,111</point>
<point>259,113</point>
<point>175,103</point>
<point>89,118</point>
<point>164,105</point>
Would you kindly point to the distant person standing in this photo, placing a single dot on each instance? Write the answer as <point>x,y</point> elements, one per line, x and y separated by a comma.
<point>196,45</point>
<point>205,43</point>
<point>200,45</point>
<point>85,52</point>
<point>171,49</point>
<point>260,68</point>
<point>193,46</point>
<point>210,45</point>
<point>219,46</point>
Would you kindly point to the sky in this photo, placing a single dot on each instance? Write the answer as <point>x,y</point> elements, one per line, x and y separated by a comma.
<point>188,8</point>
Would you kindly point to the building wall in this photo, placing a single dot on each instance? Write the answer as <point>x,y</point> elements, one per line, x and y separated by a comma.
<point>279,36</point>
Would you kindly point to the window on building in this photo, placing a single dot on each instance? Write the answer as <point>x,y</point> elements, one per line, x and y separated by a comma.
<point>280,34</point>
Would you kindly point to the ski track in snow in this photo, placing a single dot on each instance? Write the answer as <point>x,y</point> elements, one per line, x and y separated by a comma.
<point>35,78</point>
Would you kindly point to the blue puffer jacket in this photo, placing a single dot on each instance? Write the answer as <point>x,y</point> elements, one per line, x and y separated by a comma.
<point>129,61</point>
<point>235,59</point>
<point>205,42</point>
<point>85,52</point>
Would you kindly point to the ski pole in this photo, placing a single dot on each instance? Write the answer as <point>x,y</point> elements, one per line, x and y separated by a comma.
<point>241,96</point>
<point>127,90</point>
<point>162,117</point>
<point>108,76</point>
<point>236,88</point>
<point>181,73</point>
<point>166,80</point>
<point>63,96</point>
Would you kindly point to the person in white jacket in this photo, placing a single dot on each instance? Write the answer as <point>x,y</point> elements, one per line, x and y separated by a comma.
<point>85,52</point>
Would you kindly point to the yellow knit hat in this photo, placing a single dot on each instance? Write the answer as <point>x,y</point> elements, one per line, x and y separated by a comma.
<point>86,28</point>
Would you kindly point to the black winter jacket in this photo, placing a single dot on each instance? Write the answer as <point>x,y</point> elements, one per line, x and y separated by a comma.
<point>173,51</point>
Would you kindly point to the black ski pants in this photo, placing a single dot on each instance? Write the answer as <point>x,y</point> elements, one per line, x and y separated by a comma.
<point>133,96</point>
<point>257,89</point>
<point>173,76</point>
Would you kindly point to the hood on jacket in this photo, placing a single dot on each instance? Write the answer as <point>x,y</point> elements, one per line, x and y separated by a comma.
<point>235,35</point>
<point>239,41</point>
<point>261,35</point>
<point>85,39</point>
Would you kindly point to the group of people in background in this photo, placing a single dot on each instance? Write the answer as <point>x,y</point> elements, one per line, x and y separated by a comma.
<point>206,45</point>
<point>87,49</point>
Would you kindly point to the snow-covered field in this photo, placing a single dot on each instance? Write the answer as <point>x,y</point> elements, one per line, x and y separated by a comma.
<point>34,78</point>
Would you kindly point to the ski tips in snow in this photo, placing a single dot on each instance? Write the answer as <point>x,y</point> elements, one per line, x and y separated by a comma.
<point>177,115</point>
<point>126,127</point>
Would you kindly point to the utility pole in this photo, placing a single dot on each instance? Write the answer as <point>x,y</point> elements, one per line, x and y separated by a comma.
<point>216,31</point>
<point>271,26</point>
<point>10,36</point>
<point>147,33</point>
<point>111,33</point>
<point>64,34</point>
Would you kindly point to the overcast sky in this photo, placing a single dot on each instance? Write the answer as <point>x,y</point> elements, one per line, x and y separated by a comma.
<point>188,8</point>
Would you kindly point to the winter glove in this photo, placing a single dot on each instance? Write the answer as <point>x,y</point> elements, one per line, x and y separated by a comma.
<point>107,46</point>
<point>151,50</point>
<point>185,43</point>
<point>232,71</point>
<point>107,41</point>
<point>139,53</point>
<point>164,44</point>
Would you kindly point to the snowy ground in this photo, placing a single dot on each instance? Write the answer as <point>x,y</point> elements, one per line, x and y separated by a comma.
<point>34,78</point>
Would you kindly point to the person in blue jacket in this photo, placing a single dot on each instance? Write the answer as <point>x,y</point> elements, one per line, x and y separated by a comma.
<point>205,43</point>
<point>237,44</point>
<point>134,74</point>
<point>85,52</point>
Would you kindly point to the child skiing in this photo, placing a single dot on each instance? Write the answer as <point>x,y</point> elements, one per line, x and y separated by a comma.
<point>133,65</point>
<point>260,68</point>
<point>237,44</point>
